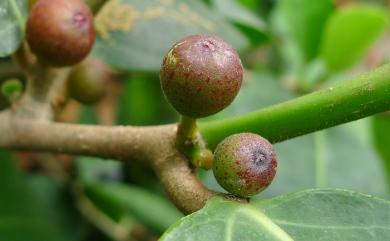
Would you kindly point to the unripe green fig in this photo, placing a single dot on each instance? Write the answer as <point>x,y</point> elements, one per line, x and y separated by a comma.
<point>244,164</point>
<point>87,81</point>
<point>60,32</point>
<point>201,75</point>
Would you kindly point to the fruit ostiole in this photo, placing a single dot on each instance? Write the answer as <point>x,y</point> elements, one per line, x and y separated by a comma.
<point>200,75</point>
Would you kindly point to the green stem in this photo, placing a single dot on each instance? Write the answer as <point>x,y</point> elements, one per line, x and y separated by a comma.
<point>190,143</point>
<point>186,131</point>
<point>362,96</point>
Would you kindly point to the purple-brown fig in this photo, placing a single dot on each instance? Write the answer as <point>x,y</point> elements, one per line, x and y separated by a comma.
<point>60,32</point>
<point>244,164</point>
<point>201,75</point>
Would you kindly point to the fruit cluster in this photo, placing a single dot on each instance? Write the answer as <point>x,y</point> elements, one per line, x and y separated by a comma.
<point>200,75</point>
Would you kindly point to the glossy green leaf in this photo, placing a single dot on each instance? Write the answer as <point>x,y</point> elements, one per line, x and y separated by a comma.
<point>381,136</point>
<point>22,216</point>
<point>12,20</point>
<point>239,14</point>
<point>136,34</point>
<point>322,214</point>
<point>247,21</point>
<point>305,21</point>
<point>119,200</point>
<point>349,32</point>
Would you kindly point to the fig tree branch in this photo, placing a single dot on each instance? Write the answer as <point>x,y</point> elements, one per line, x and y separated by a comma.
<point>357,98</point>
<point>155,146</point>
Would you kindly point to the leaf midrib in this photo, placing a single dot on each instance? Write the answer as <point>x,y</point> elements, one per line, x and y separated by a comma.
<point>263,220</point>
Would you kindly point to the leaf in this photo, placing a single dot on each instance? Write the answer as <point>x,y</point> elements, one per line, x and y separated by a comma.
<point>349,32</point>
<point>305,20</point>
<point>236,13</point>
<point>136,34</point>
<point>12,20</point>
<point>59,205</point>
<point>381,136</point>
<point>21,213</point>
<point>119,200</point>
<point>248,22</point>
<point>325,214</point>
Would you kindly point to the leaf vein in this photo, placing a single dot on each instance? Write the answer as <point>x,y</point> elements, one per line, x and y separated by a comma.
<point>315,226</point>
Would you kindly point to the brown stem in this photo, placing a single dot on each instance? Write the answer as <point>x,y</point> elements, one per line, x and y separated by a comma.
<point>152,145</point>
<point>121,143</point>
<point>179,179</point>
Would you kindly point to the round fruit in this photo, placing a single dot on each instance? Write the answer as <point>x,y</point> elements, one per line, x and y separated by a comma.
<point>87,81</point>
<point>60,32</point>
<point>201,75</point>
<point>244,164</point>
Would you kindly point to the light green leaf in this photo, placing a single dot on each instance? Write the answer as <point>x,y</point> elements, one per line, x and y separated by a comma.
<point>12,20</point>
<point>136,34</point>
<point>323,214</point>
<point>236,13</point>
<point>305,21</point>
<point>250,23</point>
<point>349,32</point>
<point>119,200</point>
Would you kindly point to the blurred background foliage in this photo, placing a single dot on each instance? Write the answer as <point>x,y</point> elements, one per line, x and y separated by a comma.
<point>288,47</point>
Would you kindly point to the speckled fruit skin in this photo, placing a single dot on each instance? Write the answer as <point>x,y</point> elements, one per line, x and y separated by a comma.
<point>60,32</point>
<point>244,164</point>
<point>201,75</point>
<point>88,80</point>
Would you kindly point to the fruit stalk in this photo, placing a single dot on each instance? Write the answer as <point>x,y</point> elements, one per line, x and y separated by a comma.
<point>190,143</point>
